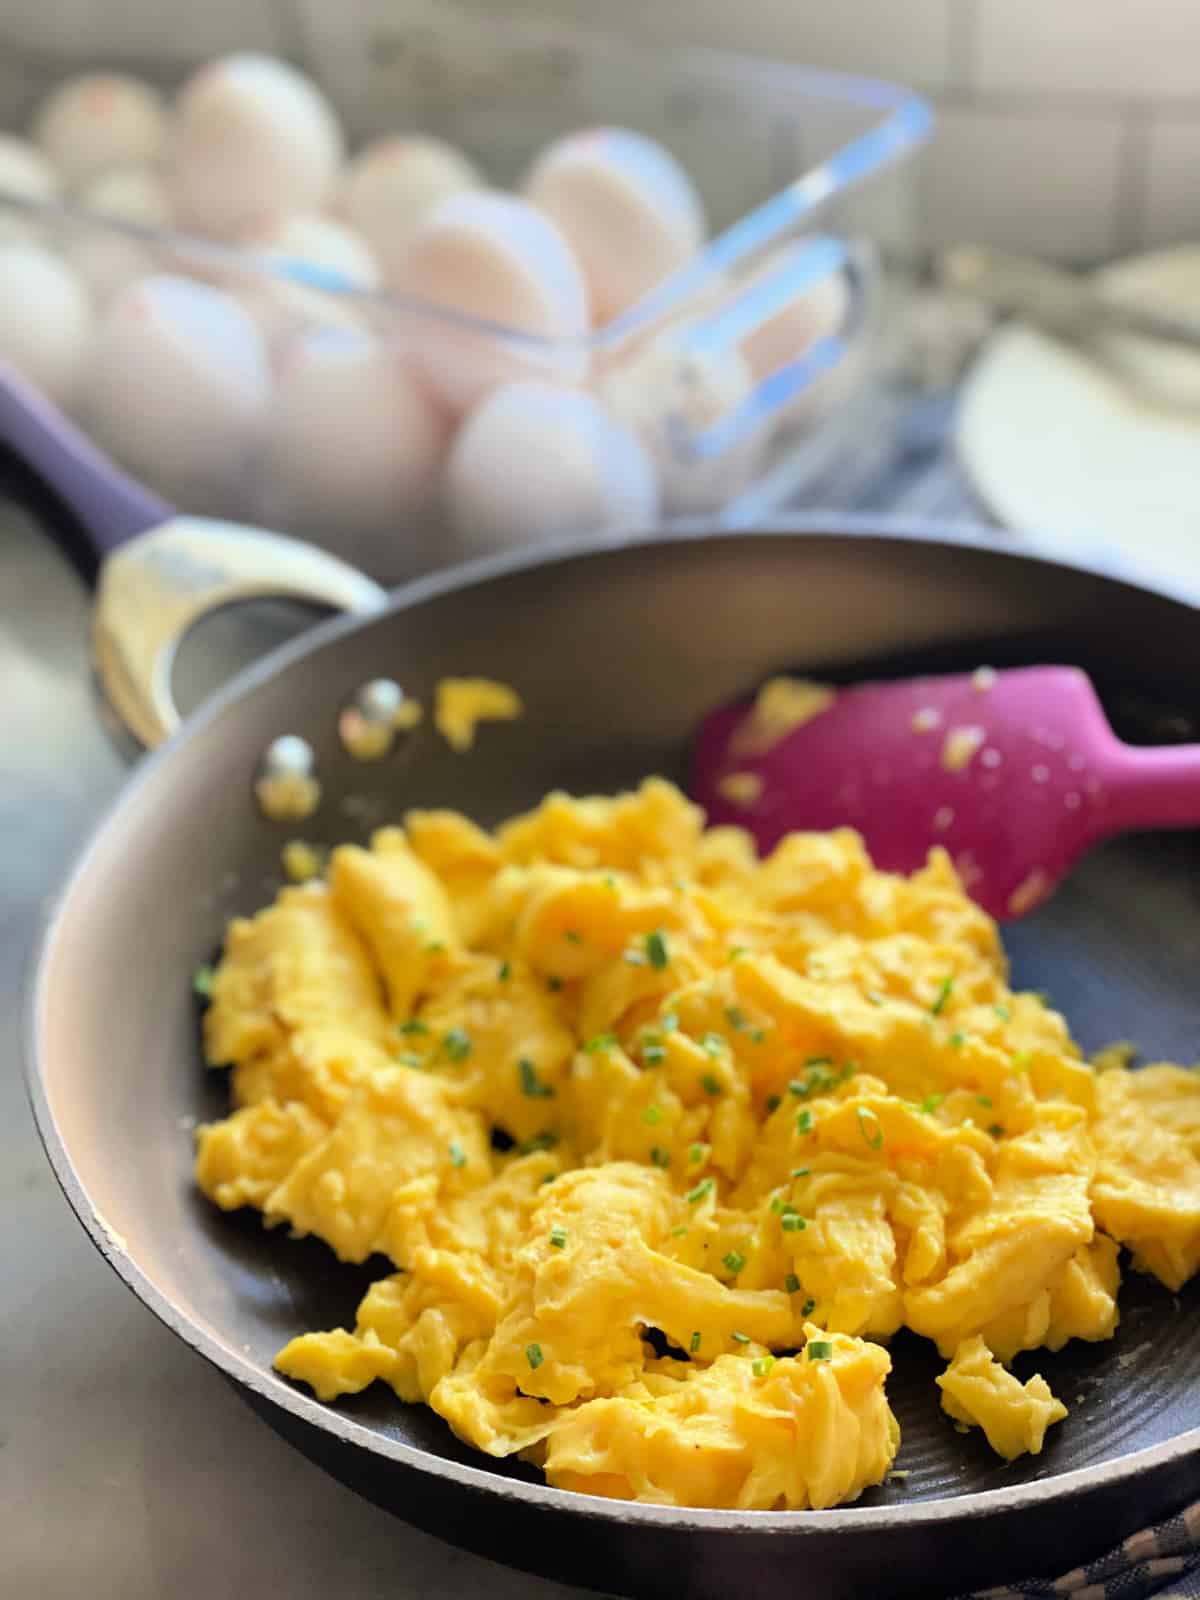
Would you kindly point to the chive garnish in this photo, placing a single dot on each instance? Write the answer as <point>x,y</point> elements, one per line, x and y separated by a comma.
<point>652,1115</point>
<point>660,1157</point>
<point>807,1309</point>
<point>735,1261</point>
<point>873,1138</point>
<point>413,1025</point>
<point>694,1196</point>
<point>694,1342</point>
<point>529,1081</point>
<point>791,1223</point>
<point>983,1099</point>
<point>943,994</point>
<point>996,1130</point>
<point>695,1153</point>
<point>540,1141</point>
<point>202,981</point>
<point>554,984</point>
<point>602,1041</point>
<point>457,1158</point>
<point>771,1104</point>
<point>735,1018</point>
<point>654,1054</point>
<point>534,1356</point>
<point>956,1041</point>
<point>558,1238</point>
<point>930,1103</point>
<point>819,1350</point>
<point>572,937</point>
<point>505,971</point>
<point>801,1172</point>
<point>669,1022</point>
<point>761,1365</point>
<point>714,1044</point>
<point>740,1338</point>
<point>710,1083</point>
<point>457,1044</point>
<point>656,948</point>
<point>1003,1013</point>
<point>792,1283</point>
<point>804,1121</point>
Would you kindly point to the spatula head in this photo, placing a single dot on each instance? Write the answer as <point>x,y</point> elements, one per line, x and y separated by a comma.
<point>1005,770</point>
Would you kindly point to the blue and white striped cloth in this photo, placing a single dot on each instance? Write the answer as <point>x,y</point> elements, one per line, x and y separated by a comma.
<point>1163,1561</point>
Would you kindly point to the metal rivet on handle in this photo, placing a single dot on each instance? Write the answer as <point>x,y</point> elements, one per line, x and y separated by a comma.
<point>369,724</point>
<point>287,788</point>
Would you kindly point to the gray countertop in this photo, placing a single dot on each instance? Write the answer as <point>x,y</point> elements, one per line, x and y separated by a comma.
<point>129,1468</point>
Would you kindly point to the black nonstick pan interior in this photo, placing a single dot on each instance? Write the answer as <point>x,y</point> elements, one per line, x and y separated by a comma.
<point>618,654</point>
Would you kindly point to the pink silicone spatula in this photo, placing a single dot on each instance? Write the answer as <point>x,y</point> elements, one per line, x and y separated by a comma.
<point>1017,773</point>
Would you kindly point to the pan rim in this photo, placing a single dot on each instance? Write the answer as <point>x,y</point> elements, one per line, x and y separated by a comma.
<point>345,1429</point>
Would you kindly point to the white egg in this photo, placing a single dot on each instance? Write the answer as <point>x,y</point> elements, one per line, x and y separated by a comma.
<point>284,310</point>
<point>107,260</point>
<point>24,171</point>
<point>320,242</point>
<point>178,389</point>
<point>352,449</point>
<point>494,257</point>
<point>254,139</point>
<point>627,208</point>
<point>394,184</point>
<point>101,120</point>
<point>664,393</point>
<point>45,319</point>
<point>535,461</point>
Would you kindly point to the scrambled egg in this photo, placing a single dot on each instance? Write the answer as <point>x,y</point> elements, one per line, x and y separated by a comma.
<point>665,1142</point>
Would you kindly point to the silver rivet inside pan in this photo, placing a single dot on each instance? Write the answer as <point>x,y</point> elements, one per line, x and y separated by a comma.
<point>287,788</point>
<point>368,725</point>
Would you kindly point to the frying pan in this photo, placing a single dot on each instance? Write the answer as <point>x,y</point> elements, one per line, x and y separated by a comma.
<point>617,652</point>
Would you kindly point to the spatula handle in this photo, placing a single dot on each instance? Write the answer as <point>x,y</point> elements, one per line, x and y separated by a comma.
<point>1157,788</point>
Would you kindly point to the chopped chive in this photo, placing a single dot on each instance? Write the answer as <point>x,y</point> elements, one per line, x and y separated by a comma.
<point>714,1044</point>
<point>898,1476</point>
<point>983,1099</point>
<point>202,981</point>
<point>996,1130</point>
<point>735,1018</point>
<point>873,997</point>
<point>930,1103</point>
<point>554,984</point>
<point>757,1035</point>
<point>547,1177</point>
<point>694,1342</point>
<point>558,1238</point>
<point>807,1309</point>
<point>602,1041</point>
<point>529,1081</point>
<point>457,1044</point>
<point>737,951</point>
<point>771,1104</point>
<point>735,1261</point>
<point>761,1365</point>
<point>801,1172</point>
<point>505,971</point>
<point>791,1223</point>
<point>819,1061</point>
<point>411,1059</point>
<point>819,1350</point>
<point>540,1141</point>
<point>873,1139</point>
<point>804,1121</point>
<point>457,1158</point>
<point>634,958</point>
<point>780,1206</point>
<point>570,935</point>
<point>740,1338</point>
<point>956,1041</point>
<point>654,1054</point>
<point>792,1283</point>
<point>652,1115</point>
<point>678,1233</point>
<point>696,1153</point>
<point>434,947</point>
<point>656,948</point>
<point>609,881</point>
<point>413,1025</point>
<point>710,1083</point>
<point>534,1356</point>
<point>849,1068</point>
<point>1022,1060</point>
<point>798,1087</point>
<point>943,994</point>
<point>669,1022</point>
<point>1003,1013</point>
<point>694,1196</point>
<point>660,1157</point>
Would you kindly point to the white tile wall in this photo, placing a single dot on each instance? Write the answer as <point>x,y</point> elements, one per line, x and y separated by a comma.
<point>1123,48</point>
<point>1031,180</point>
<point>1171,206</point>
<point>1070,127</point>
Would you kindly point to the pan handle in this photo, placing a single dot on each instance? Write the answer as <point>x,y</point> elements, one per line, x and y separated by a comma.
<point>157,585</point>
<point>162,572</point>
<point>108,505</point>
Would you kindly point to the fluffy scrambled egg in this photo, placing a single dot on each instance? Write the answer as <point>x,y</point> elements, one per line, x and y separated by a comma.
<point>664,1142</point>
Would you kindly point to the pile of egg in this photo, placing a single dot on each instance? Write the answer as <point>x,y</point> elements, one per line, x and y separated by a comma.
<point>254,397</point>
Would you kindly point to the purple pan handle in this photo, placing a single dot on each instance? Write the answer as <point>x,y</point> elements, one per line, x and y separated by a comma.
<point>109,506</point>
